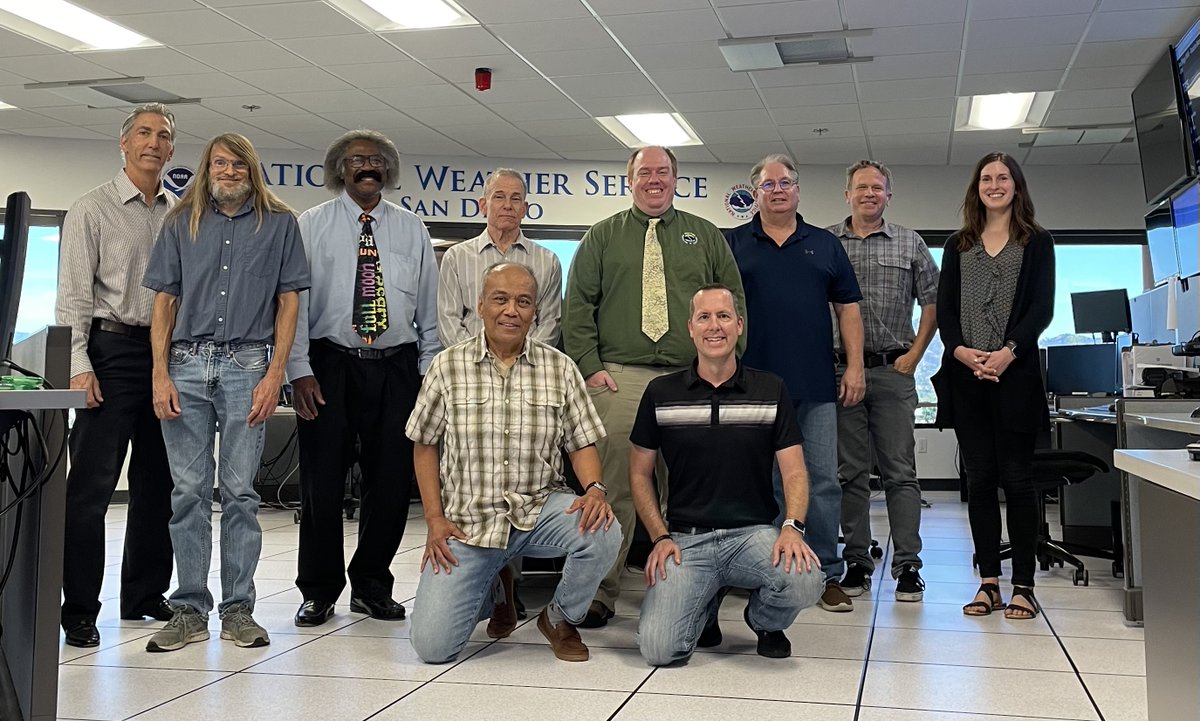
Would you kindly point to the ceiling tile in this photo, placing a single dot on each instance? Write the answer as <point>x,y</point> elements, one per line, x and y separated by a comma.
<point>826,151</point>
<point>692,80</point>
<point>292,80</point>
<point>572,127</point>
<point>448,116</point>
<point>1122,154</point>
<point>913,141</point>
<point>914,156</point>
<point>678,56</point>
<point>54,68</point>
<point>1009,82</point>
<point>907,89</point>
<point>1104,98</point>
<point>332,101</point>
<point>460,70</point>
<point>26,99</point>
<point>815,114</point>
<point>1090,116</point>
<point>201,85</point>
<point>908,126</point>
<point>124,7</point>
<point>1112,5</point>
<point>66,131</point>
<point>902,109</point>
<point>569,144</point>
<point>970,153</point>
<point>14,45</point>
<point>344,49</point>
<point>728,119</point>
<point>945,37</point>
<point>1067,155</point>
<point>613,85</point>
<point>745,153</point>
<point>187,27</point>
<point>681,26</point>
<point>875,14</point>
<point>514,91</point>
<point>147,61</point>
<point>483,132</point>
<point>797,97</point>
<point>284,124</point>
<point>824,130</point>
<point>462,42</point>
<point>693,154</point>
<point>371,119</point>
<point>600,156</point>
<point>1100,78</point>
<point>717,100</point>
<point>567,63</point>
<point>793,75</point>
<point>1016,59</point>
<point>1029,8</point>
<point>626,105</point>
<point>1026,32</point>
<point>268,105</point>
<point>369,76</point>
<point>903,67</point>
<point>741,134</point>
<point>16,119</point>
<point>782,18</point>
<point>254,55</point>
<point>540,37</point>
<point>83,115</point>
<point>541,110</point>
<point>1165,23</point>
<point>625,7</point>
<point>293,20</point>
<point>424,96</point>
<point>512,11</point>
<point>1119,52</point>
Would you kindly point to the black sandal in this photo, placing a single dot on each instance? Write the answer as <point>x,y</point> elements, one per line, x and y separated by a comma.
<point>985,608</point>
<point>1020,613</point>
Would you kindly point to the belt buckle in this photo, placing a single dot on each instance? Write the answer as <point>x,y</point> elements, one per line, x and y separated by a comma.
<point>367,353</point>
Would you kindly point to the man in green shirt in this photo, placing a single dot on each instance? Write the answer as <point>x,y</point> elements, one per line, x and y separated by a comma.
<point>625,320</point>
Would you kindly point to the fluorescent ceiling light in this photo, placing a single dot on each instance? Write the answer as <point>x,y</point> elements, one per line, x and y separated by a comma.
<point>1002,111</point>
<point>635,131</point>
<point>66,23</point>
<point>382,15</point>
<point>6,106</point>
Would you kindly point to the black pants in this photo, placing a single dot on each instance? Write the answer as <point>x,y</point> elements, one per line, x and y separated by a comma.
<point>97,447</point>
<point>368,401</point>
<point>996,457</point>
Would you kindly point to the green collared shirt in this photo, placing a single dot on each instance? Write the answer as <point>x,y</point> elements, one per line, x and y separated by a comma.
<point>602,314</point>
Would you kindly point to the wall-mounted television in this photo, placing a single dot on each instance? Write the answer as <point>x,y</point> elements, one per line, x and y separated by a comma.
<point>12,266</point>
<point>1164,142</point>
<point>1160,236</point>
<point>1185,209</point>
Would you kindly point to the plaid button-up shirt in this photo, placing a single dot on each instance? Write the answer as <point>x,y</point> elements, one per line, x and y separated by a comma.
<point>894,268</point>
<point>503,433</point>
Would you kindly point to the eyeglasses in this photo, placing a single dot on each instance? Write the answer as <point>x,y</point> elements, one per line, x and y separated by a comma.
<point>358,161</point>
<point>769,186</point>
<point>222,163</point>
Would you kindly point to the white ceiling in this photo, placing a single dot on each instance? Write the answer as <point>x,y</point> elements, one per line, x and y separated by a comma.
<point>314,72</point>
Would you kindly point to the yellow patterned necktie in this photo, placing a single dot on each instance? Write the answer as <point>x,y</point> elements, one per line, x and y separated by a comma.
<point>654,287</point>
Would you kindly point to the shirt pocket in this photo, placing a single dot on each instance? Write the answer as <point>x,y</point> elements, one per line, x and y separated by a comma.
<point>400,273</point>
<point>543,413</point>
<point>893,276</point>
<point>257,258</point>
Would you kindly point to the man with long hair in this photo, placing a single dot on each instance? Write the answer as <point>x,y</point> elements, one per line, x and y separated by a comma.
<point>228,269</point>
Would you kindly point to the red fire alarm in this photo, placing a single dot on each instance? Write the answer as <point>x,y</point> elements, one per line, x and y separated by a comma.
<point>483,79</point>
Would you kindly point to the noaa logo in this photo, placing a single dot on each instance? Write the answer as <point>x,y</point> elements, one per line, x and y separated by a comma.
<point>176,179</point>
<point>739,202</point>
<point>690,238</point>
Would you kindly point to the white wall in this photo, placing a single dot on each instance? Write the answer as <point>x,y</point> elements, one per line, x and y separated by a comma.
<point>55,172</point>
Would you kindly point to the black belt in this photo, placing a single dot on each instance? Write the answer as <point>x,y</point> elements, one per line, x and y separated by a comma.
<point>689,530</point>
<point>874,360</point>
<point>141,332</point>
<point>367,353</point>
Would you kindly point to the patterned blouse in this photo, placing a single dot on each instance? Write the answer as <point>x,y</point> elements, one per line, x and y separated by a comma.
<point>989,285</point>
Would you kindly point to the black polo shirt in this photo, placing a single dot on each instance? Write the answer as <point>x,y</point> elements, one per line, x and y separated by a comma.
<point>788,291</point>
<point>719,444</point>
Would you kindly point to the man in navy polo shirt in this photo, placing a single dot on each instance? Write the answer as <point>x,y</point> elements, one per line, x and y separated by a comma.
<point>719,426</point>
<point>792,271</point>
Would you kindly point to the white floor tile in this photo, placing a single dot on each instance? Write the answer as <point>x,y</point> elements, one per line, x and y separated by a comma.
<point>1107,656</point>
<point>519,664</point>
<point>214,654</point>
<point>870,713</point>
<point>927,646</point>
<point>109,637</point>
<point>103,692</point>
<point>734,676</point>
<point>661,707</point>
<point>1120,698</point>
<point>1093,624</point>
<point>949,617</point>
<point>477,702</point>
<point>354,657</point>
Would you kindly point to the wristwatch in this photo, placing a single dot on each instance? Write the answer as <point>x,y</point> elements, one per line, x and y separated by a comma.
<point>1012,347</point>
<point>598,486</point>
<point>793,523</point>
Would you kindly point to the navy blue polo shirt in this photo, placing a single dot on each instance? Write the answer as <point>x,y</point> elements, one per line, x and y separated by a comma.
<point>788,291</point>
<point>719,444</point>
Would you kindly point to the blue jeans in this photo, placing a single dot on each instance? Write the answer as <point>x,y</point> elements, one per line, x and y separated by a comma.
<point>818,424</point>
<point>676,609</point>
<point>450,604</point>
<point>215,383</point>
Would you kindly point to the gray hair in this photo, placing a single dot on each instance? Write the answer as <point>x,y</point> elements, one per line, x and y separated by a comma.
<point>337,149</point>
<point>862,164</point>
<point>784,160</point>
<point>505,265</point>
<point>503,173</point>
<point>157,109</point>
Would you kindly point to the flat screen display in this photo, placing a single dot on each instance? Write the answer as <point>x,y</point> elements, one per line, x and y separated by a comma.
<point>1164,142</point>
<point>1160,236</point>
<point>1101,311</point>
<point>1185,208</point>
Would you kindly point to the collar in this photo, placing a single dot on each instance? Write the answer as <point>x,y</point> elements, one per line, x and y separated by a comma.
<point>800,233</point>
<point>377,213</point>
<point>846,230</point>
<point>247,206</point>
<point>665,219</point>
<point>127,191</point>
<point>693,380</point>
<point>482,352</point>
<point>484,239</point>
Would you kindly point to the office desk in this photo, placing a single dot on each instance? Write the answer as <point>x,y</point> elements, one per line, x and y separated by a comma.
<point>1169,509</point>
<point>1090,512</point>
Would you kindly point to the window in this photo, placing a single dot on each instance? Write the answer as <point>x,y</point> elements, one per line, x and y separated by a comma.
<point>40,283</point>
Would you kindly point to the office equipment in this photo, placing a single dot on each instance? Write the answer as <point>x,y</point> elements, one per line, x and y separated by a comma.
<point>1163,139</point>
<point>1102,311</point>
<point>12,265</point>
<point>1092,369</point>
<point>1137,359</point>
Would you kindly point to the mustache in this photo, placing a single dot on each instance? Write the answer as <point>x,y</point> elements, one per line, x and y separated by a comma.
<point>367,173</point>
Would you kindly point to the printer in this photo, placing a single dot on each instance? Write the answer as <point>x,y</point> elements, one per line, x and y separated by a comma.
<point>1144,368</point>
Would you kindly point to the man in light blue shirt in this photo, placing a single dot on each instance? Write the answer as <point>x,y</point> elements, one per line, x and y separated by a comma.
<point>367,330</point>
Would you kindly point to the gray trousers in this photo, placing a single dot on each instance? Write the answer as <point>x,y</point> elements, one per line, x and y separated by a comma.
<point>879,431</point>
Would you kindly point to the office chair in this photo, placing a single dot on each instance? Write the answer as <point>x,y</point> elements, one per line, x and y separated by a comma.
<point>1053,469</point>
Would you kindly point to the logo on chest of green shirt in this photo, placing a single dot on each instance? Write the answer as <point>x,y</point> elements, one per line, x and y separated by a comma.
<point>690,238</point>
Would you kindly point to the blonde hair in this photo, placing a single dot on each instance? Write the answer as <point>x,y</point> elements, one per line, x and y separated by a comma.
<point>198,195</point>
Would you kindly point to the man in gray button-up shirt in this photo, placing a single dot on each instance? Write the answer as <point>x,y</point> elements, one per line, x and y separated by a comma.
<point>228,267</point>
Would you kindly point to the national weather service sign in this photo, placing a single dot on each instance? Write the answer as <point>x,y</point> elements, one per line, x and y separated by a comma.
<point>739,202</point>
<point>177,178</point>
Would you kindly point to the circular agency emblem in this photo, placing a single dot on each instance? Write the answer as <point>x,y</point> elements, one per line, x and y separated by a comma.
<point>177,178</point>
<point>739,201</point>
<point>690,238</point>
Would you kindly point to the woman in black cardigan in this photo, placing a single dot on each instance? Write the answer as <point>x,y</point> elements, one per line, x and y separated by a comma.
<point>995,298</point>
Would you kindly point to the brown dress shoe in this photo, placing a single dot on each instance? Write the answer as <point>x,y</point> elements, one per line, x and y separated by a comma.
<point>564,639</point>
<point>504,617</point>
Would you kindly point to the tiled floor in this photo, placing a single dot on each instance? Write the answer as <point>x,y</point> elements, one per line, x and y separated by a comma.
<point>886,661</point>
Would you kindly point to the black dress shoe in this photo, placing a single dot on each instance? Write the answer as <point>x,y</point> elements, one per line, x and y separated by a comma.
<point>771,644</point>
<point>314,613</point>
<point>596,616</point>
<point>160,610</point>
<point>711,635</point>
<point>83,635</point>
<point>384,609</point>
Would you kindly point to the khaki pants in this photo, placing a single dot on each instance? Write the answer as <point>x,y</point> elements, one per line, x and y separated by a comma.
<point>618,411</point>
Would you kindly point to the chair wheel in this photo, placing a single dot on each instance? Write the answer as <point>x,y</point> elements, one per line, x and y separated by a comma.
<point>876,552</point>
<point>296,517</point>
<point>1118,570</point>
<point>350,513</point>
<point>1080,576</point>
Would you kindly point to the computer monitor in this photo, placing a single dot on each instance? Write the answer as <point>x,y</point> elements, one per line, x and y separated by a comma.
<point>12,265</point>
<point>1102,311</point>
<point>1074,369</point>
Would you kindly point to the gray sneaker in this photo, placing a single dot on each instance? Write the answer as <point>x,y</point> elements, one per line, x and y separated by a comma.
<point>186,626</point>
<point>238,625</point>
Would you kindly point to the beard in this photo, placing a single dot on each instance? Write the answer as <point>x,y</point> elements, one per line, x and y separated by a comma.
<point>236,194</point>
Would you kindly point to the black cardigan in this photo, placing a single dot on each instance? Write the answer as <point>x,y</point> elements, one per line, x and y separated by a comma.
<point>1023,404</point>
